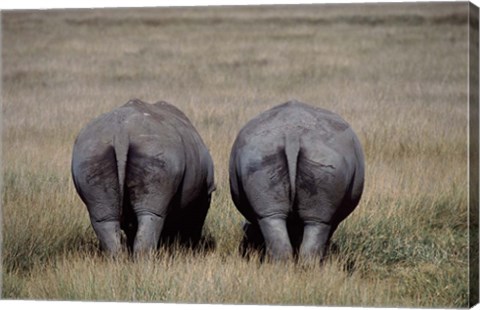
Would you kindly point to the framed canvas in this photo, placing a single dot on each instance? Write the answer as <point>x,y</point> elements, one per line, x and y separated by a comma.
<point>402,76</point>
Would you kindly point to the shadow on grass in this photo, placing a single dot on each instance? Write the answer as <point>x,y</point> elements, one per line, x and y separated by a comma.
<point>21,258</point>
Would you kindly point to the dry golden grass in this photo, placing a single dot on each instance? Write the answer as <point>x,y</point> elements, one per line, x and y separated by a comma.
<point>397,73</point>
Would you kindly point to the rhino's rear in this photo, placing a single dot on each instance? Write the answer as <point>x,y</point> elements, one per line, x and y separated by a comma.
<point>296,161</point>
<point>129,167</point>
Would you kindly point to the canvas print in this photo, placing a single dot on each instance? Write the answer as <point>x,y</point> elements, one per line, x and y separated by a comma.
<point>308,154</point>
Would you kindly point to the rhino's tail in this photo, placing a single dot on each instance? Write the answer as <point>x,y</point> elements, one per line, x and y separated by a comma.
<point>292,148</point>
<point>121,145</point>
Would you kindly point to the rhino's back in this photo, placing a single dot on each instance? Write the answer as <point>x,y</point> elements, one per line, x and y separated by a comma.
<point>139,119</point>
<point>293,114</point>
<point>293,118</point>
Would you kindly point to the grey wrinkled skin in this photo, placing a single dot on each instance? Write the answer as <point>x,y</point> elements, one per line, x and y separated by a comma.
<point>143,168</point>
<point>296,172</point>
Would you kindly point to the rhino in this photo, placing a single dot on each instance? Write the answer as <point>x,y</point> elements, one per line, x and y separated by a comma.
<point>296,171</point>
<point>144,169</point>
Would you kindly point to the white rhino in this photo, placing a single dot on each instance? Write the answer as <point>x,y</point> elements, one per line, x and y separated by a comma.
<point>296,172</point>
<point>143,168</point>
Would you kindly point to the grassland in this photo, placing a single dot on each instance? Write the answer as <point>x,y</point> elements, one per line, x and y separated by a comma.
<point>397,73</point>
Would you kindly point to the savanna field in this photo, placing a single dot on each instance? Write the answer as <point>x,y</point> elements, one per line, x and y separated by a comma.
<point>398,73</point>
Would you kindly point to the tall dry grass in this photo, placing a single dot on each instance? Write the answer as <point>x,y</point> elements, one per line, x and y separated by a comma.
<point>396,72</point>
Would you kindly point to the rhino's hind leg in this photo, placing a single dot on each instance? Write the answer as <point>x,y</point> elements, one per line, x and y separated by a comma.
<point>152,181</point>
<point>149,228</point>
<point>274,231</point>
<point>97,183</point>
<point>315,241</point>
<point>185,225</point>
<point>108,233</point>
<point>150,212</point>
